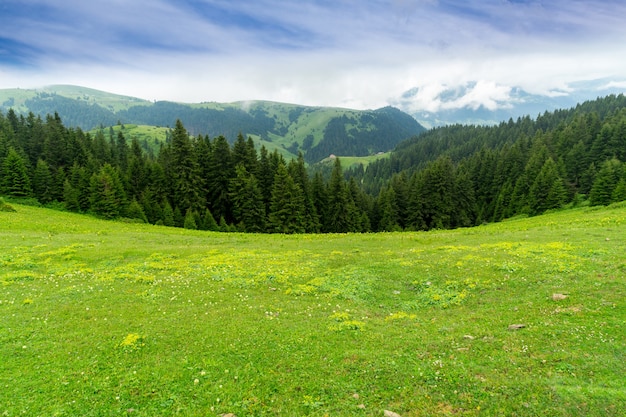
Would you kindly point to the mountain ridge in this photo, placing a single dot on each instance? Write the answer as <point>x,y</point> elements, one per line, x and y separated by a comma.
<point>314,131</point>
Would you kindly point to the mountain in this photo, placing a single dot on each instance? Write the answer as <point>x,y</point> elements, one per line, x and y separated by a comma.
<point>317,132</point>
<point>483,103</point>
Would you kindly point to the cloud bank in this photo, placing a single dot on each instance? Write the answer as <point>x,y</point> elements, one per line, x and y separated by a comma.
<point>346,53</point>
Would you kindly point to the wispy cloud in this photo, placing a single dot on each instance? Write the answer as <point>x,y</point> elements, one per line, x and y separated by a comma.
<point>342,52</point>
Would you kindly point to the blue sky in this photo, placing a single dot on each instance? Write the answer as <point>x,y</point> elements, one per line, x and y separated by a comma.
<point>349,53</point>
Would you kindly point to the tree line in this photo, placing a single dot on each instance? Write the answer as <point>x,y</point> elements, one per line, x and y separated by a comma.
<point>195,182</point>
<point>447,177</point>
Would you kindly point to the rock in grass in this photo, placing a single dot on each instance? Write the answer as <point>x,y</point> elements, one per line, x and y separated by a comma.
<point>468,337</point>
<point>388,413</point>
<point>559,297</point>
<point>516,326</point>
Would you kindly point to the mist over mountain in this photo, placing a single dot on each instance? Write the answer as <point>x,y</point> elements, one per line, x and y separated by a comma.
<point>487,103</point>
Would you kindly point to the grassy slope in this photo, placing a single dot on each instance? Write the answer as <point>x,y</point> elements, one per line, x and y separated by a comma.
<point>114,102</point>
<point>154,135</point>
<point>104,318</point>
<point>349,161</point>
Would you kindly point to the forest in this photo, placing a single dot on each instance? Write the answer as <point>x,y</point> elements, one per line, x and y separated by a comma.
<point>447,177</point>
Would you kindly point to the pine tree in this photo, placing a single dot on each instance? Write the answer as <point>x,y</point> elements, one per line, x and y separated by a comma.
<point>337,218</point>
<point>605,183</point>
<point>287,204</point>
<point>70,197</point>
<point>208,221</point>
<point>547,191</point>
<point>388,210</point>
<point>244,153</point>
<point>151,207</point>
<point>108,198</point>
<point>619,193</point>
<point>297,170</point>
<point>185,172</point>
<point>190,220</point>
<point>168,214</point>
<point>42,182</point>
<point>135,211</point>
<point>247,200</point>
<point>218,180</point>
<point>16,181</point>
<point>438,191</point>
<point>136,172</point>
<point>179,219</point>
<point>79,179</point>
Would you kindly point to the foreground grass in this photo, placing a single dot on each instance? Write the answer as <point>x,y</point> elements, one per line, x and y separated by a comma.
<point>100,318</point>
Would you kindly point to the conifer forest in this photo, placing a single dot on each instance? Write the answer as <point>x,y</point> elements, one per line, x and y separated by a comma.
<point>447,177</point>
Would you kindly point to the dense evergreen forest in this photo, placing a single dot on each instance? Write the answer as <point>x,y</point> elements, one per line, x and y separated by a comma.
<point>448,177</point>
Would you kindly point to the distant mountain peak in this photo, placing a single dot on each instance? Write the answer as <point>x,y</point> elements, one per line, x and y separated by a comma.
<point>485,102</point>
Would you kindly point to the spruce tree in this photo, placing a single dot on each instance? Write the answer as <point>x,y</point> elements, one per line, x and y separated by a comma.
<point>547,191</point>
<point>70,197</point>
<point>218,180</point>
<point>605,183</point>
<point>247,200</point>
<point>15,179</point>
<point>287,204</point>
<point>190,220</point>
<point>42,182</point>
<point>135,211</point>
<point>168,214</point>
<point>337,218</point>
<point>388,210</point>
<point>185,172</point>
<point>208,221</point>
<point>108,198</point>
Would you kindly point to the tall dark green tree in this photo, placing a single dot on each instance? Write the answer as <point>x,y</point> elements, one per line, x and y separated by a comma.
<point>547,191</point>
<point>337,218</point>
<point>42,182</point>
<point>605,182</point>
<point>297,170</point>
<point>218,181</point>
<point>247,200</point>
<point>388,210</point>
<point>185,172</point>
<point>437,193</point>
<point>15,179</point>
<point>287,204</point>
<point>108,198</point>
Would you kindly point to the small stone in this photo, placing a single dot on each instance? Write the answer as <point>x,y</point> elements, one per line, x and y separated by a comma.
<point>516,326</point>
<point>228,415</point>
<point>468,337</point>
<point>559,297</point>
<point>361,406</point>
<point>355,396</point>
<point>388,413</point>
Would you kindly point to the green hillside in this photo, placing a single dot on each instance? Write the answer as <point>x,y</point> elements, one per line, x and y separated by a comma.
<point>315,131</point>
<point>522,318</point>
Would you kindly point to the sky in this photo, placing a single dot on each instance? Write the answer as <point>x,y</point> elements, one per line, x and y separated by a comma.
<point>347,53</point>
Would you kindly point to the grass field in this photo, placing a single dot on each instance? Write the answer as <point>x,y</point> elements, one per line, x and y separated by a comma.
<point>105,318</point>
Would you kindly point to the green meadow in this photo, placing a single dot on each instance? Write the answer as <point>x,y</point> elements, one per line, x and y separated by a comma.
<point>520,318</point>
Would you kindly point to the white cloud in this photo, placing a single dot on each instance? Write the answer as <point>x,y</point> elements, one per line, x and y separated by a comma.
<point>347,53</point>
